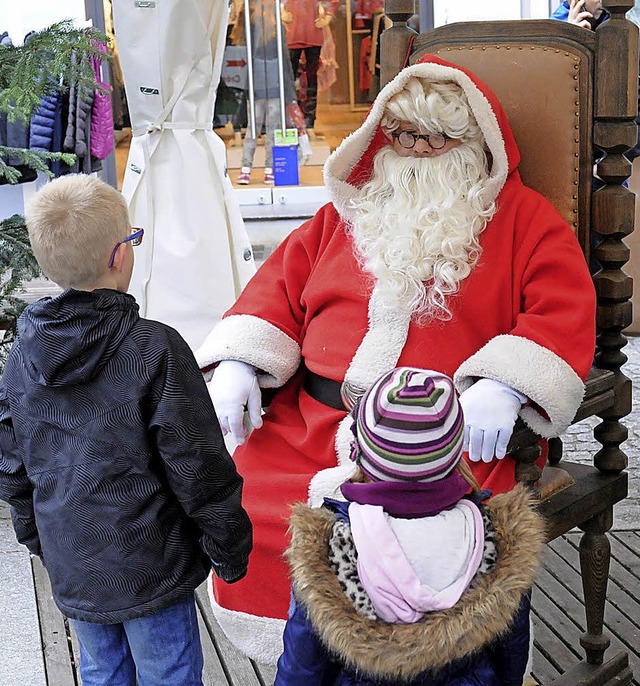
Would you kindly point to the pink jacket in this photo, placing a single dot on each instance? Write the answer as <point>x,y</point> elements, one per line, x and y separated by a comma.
<point>102,140</point>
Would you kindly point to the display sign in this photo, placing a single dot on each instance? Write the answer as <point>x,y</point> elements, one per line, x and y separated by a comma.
<point>234,66</point>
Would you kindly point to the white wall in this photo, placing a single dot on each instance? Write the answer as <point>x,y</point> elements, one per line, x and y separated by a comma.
<point>19,17</point>
<point>446,12</point>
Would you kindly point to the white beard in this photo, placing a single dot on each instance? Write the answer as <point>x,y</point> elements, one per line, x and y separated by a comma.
<point>418,220</point>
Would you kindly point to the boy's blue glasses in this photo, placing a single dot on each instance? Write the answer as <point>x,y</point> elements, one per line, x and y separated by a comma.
<point>135,239</point>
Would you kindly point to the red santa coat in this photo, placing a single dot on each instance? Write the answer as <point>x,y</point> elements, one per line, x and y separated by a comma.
<point>525,316</point>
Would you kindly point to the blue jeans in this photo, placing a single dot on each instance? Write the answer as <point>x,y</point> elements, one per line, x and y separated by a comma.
<point>163,648</point>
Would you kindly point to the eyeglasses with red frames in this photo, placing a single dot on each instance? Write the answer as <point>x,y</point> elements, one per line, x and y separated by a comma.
<point>135,239</point>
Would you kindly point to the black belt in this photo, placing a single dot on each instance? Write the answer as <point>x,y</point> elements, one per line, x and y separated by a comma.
<point>325,391</point>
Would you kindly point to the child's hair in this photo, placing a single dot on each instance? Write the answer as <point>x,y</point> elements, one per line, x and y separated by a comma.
<point>74,223</point>
<point>467,475</point>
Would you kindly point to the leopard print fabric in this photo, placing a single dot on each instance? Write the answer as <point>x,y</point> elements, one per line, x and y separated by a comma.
<point>343,557</point>
<point>490,551</point>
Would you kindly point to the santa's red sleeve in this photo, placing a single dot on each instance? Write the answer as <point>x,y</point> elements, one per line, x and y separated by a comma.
<point>264,326</point>
<point>549,351</point>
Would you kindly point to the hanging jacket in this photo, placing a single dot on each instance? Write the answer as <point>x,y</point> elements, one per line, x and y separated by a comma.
<point>102,139</point>
<point>78,127</point>
<point>112,459</point>
<point>483,640</point>
<point>15,135</point>
<point>45,121</point>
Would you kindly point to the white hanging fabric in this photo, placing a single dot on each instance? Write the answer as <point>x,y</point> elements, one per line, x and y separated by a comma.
<point>196,256</point>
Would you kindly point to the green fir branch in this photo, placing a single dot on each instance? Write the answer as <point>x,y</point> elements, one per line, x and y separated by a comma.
<point>17,261</point>
<point>47,63</point>
<point>34,159</point>
<point>17,265</point>
<point>9,173</point>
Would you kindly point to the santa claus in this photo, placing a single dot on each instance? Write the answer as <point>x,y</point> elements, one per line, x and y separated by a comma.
<point>433,254</point>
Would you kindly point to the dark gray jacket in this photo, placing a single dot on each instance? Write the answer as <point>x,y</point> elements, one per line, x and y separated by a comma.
<point>113,461</point>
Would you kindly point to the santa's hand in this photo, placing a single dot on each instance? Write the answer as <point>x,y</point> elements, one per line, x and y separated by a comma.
<point>234,386</point>
<point>490,411</point>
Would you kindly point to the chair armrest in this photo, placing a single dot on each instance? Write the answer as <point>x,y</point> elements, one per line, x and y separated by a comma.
<point>598,397</point>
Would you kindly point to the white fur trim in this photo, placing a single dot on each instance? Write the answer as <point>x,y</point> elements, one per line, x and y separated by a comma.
<point>377,353</point>
<point>535,371</point>
<point>382,344</point>
<point>326,483</point>
<point>343,160</point>
<point>255,341</point>
<point>259,638</point>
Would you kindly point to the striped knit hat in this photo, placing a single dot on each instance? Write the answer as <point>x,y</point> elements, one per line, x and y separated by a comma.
<point>408,427</point>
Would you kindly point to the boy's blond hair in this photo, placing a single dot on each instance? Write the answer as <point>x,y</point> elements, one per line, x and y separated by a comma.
<point>74,223</point>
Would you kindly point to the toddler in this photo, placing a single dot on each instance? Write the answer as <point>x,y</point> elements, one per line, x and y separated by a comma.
<point>411,579</point>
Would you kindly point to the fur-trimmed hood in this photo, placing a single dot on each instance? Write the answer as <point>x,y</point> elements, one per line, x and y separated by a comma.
<point>403,651</point>
<point>351,164</point>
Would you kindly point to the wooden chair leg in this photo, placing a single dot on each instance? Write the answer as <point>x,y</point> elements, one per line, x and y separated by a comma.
<point>595,555</point>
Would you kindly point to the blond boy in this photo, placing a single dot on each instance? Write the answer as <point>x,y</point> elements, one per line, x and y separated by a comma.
<point>111,456</point>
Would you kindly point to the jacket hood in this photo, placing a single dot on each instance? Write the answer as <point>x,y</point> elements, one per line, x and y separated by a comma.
<point>397,591</point>
<point>351,164</point>
<point>68,339</point>
<point>403,651</point>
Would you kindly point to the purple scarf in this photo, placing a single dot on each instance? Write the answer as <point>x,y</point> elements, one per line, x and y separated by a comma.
<point>409,499</point>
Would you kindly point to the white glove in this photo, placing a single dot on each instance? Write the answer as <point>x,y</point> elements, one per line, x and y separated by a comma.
<point>234,386</point>
<point>490,411</point>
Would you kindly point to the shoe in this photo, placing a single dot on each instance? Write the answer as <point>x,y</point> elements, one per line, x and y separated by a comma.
<point>268,175</point>
<point>245,176</point>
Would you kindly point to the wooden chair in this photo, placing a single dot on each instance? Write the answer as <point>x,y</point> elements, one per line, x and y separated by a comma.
<point>567,92</point>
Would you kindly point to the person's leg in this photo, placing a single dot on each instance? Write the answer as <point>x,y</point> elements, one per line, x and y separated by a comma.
<point>105,657</point>
<point>312,58</point>
<point>294,56</point>
<point>166,646</point>
<point>250,143</point>
<point>273,122</point>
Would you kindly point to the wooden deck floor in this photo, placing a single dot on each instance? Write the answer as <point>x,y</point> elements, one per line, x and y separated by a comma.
<point>558,619</point>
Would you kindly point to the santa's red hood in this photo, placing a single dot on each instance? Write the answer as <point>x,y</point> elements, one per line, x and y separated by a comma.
<point>351,164</point>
